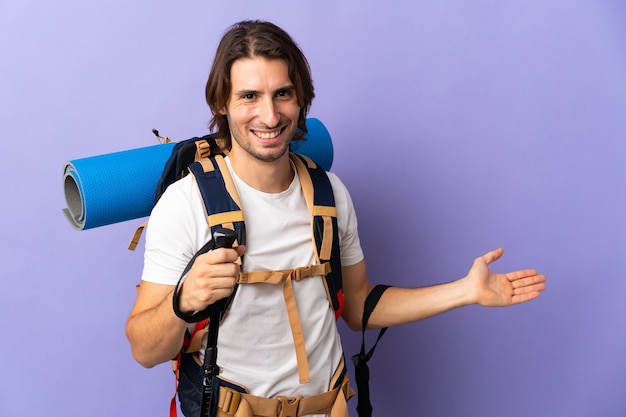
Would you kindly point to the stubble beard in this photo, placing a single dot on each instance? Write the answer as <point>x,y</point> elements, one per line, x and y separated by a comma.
<point>246,145</point>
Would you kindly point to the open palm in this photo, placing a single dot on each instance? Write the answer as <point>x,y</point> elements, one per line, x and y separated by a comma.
<point>499,290</point>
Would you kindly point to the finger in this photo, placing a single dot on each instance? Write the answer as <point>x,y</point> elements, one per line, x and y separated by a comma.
<point>209,297</point>
<point>220,283</point>
<point>227,270</point>
<point>215,283</point>
<point>203,292</point>
<point>529,288</point>
<point>203,272</point>
<point>492,256</point>
<point>221,255</point>
<point>521,274</point>
<point>522,298</point>
<point>523,280</point>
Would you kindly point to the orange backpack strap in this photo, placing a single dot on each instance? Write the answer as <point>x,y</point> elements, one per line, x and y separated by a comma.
<point>320,199</point>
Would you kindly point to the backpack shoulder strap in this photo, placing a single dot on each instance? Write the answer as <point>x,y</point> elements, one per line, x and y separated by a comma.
<point>223,210</point>
<point>219,194</point>
<point>320,199</point>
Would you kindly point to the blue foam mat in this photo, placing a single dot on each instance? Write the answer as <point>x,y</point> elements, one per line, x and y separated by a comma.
<point>112,188</point>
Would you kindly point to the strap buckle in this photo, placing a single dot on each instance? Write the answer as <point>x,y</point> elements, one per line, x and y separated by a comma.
<point>289,406</point>
<point>229,403</point>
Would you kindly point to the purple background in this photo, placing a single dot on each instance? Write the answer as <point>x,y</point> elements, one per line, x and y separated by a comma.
<point>458,127</point>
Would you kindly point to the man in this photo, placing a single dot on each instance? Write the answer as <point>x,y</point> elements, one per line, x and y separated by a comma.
<point>259,91</point>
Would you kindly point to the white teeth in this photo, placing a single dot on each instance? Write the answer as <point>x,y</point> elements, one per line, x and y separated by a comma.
<point>267,135</point>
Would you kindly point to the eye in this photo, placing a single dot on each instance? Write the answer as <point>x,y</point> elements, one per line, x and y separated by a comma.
<point>286,93</point>
<point>248,96</point>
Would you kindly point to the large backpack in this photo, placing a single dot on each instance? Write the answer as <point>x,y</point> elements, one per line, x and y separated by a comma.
<point>203,158</point>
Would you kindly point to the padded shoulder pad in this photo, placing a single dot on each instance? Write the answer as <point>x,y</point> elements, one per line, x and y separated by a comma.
<point>221,201</point>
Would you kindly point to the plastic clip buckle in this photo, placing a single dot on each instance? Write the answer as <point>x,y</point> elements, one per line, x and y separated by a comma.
<point>289,406</point>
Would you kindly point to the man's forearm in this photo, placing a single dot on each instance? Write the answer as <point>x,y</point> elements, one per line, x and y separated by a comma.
<point>155,334</point>
<point>405,305</point>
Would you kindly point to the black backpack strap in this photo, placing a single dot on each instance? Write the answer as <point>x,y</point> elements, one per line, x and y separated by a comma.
<point>219,194</point>
<point>224,214</point>
<point>362,372</point>
<point>222,206</point>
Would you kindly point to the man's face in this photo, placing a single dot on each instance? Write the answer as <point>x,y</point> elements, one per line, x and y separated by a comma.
<point>262,109</point>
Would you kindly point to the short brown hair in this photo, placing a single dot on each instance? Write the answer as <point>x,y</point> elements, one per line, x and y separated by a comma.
<point>254,38</point>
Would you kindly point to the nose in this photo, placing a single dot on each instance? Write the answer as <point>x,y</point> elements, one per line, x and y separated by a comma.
<point>268,113</point>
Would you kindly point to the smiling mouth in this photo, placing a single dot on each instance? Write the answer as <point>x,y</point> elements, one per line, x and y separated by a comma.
<point>272,134</point>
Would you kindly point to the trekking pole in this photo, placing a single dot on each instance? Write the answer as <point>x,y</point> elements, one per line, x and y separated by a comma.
<point>222,238</point>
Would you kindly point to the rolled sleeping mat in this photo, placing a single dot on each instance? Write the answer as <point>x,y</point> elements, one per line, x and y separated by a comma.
<point>318,145</point>
<point>112,188</point>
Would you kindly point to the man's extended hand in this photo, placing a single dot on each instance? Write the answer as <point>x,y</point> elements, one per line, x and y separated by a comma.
<point>500,290</point>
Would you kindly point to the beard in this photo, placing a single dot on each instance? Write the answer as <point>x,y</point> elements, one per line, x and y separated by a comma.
<point>261,153</point>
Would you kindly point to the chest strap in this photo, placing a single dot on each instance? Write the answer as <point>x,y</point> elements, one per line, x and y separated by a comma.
<point>286,277</point>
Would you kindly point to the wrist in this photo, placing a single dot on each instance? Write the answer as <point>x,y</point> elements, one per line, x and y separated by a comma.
<point>468,292</point>
<point>181,310</point>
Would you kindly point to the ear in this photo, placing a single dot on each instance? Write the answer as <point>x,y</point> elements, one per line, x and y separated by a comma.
<point>222,111</point>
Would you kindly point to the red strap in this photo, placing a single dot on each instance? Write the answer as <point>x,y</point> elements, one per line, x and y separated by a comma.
<point>341,302</point>
<point>199,326</point>
<point>173,400</point>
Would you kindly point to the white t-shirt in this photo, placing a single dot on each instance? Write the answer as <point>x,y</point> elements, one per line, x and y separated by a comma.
<point>255,345</point>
